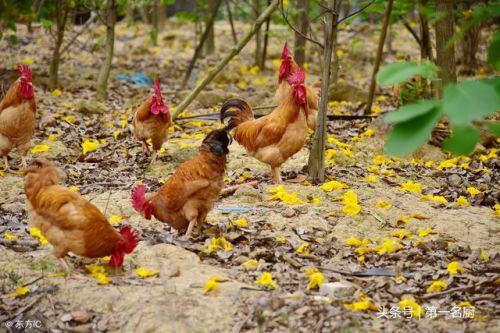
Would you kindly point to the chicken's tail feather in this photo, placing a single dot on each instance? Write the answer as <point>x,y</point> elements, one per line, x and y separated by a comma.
<point>131,237</point>
<point>236,117</point>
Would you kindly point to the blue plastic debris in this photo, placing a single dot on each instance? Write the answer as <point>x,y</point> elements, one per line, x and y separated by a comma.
<point>136,78</point>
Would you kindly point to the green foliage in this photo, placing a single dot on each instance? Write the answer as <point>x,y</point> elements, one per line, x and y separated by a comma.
<point>462,141</point>
<point>465,104</point>
<point>494,51</point>
<point>467,101</point>
<point>11,11</point>
<point>400,72</point>
<point>14,278</point>
<point>407,135</point>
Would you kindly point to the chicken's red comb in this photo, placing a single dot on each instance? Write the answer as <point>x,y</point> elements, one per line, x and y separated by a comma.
<point>25,71</point>
<point>285,54</point>
<point>139,197</point>
<point>131,238</point>
<point>297,77</point>
<point>157,87</point>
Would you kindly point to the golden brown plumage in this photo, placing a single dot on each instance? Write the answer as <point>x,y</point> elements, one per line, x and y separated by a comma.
<point>271,139</point>
<point>190,193</point>
<point>151,121</point>
<point>68,221</point>
<point>18,117</point>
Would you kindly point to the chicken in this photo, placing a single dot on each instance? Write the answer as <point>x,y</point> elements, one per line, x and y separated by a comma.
<point>18,116</point>
<point>190,193</point>
<point>151,121</point>
<point>272,139</point>
<point>69,222</point>
<point>288,67</point>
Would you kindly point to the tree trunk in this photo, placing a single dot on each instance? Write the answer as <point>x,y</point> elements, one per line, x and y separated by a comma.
<point>425,36</point>
<point>210,41</point>
<point>223,62</point>
<point>316,164</point>
<point>378,57</point>
<point>258,36</point>
<point>445,56</point>
<point>60,18</point>
<point>469,45</point>
<point>231,22</point>
<point>299,47</point>
<point>102,80</point>
<point>154,22</point>
<point>262,59</point>
<point>388,39</point>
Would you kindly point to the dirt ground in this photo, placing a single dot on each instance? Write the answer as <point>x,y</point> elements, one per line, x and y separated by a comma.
<point>173,300</point>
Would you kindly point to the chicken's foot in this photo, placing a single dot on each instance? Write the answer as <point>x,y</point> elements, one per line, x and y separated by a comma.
<point>6,163</point>
<point>276,175</point>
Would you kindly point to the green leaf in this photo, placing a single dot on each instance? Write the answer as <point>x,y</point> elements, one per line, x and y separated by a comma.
<point>494,51</point>
<point>400,72</point>
<point>462,141</point>
<point>407,136</point>
<point>470,100</point>
<point>494,128</point>
<point>411,111</point>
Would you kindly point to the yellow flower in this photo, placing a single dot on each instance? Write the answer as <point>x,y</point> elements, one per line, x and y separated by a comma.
<point>28,61</point>
<point>416,309</point>
<point>315,280</point>
<point>52,137</point>
<point>280,193</point>
<point>435,198</point>
<point>40,149</point>
<point>74,188</point>
<point>266,279</point>
<point>473,191</point>
<point>425,232</point>
<point>310,270</point>
<point>143,272</point>
<point>363,250</point>
<point>363,304</point>
<point>437,285</point>
<point>281,240</point>
<point>10,236</point>
<point>373,169</point>
<point>381,160</point>
<point>462,201</point>
<point>451,163</point>
<point>332,186</point>
<point>370,179</point>
<point>303,248</point>
<point>361,258</point>
<point>115,218</point>
<point>455,268</point>
<point>89,145</point>
<point>351,206</point>
<point>35,232</point>
<point>384,204</point>
<point>56,92</point>
<point>402,233</point>
<point>241,222</point>
<point>211,285</point>
<point>250,263</point>
<point>353,241</point>
<point>484,255</point>
<point>388,246</point>
<point>368,133</point>
<point>219,244</point>
<point>410,186</point>
<point>496,210</point>
<point>376,109</point>
<point>69,119</point>
<point>21,291</point>
<point>99,273</point>
<point>465,304</point>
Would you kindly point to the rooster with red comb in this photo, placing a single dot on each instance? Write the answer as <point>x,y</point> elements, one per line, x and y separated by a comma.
<point>151,121</point>
<point>287,68</point>
<point>18,116</point>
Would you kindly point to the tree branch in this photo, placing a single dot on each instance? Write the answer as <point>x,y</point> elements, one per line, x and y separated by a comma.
<point>356,12</point>
<point>309,38</point>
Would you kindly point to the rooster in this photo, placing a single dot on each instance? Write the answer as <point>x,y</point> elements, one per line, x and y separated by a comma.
<point>69,222</point>
<point>151,121</point>
<point>18,116</point>
<point>272,139</point>
<point>288,67</point>
<point>190,193</point>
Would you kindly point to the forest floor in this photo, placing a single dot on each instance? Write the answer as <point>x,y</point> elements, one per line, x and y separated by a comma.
<point>401,241</point>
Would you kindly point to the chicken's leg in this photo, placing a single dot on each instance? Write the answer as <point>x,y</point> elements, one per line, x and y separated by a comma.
<point>276,175</point>
<point>70,275</point>
<point>145,148</point>
<point>190,227</point>
<point>23,161</point>
<point>153,157</point>
<point>6,162</point>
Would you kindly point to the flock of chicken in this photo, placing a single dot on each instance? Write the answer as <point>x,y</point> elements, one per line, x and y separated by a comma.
<point>72,224</point>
